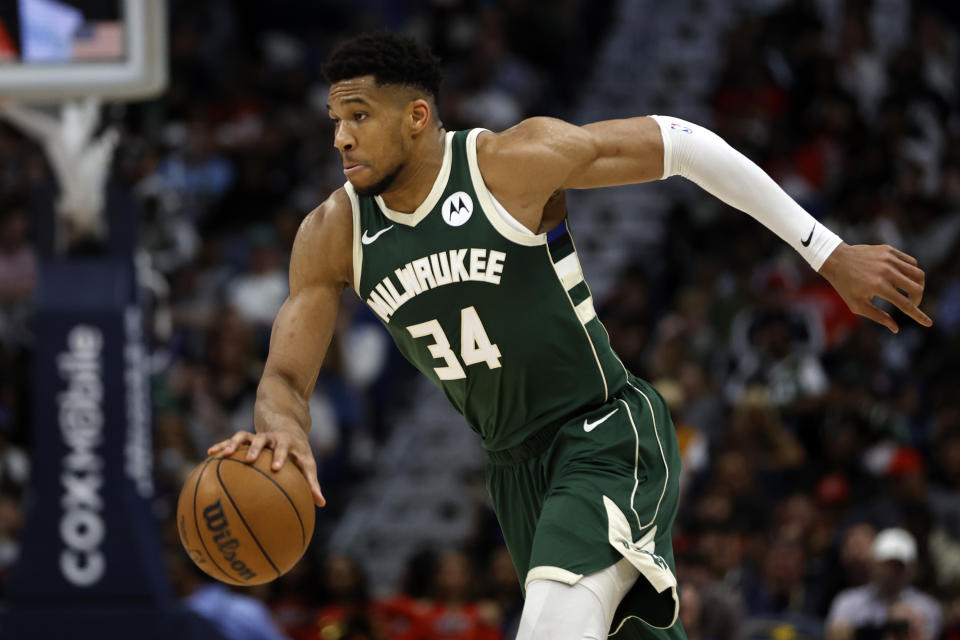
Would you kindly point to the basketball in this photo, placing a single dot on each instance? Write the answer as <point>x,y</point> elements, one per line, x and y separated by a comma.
<point>245,524</point>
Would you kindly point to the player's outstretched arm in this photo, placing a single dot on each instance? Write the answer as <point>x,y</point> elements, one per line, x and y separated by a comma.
<point>524,163</point>
<point>320,267</point>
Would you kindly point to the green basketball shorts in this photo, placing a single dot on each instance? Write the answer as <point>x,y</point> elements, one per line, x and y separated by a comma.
<point>603,485</point>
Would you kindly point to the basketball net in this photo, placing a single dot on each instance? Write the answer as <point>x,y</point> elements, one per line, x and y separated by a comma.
<point>80,161</point>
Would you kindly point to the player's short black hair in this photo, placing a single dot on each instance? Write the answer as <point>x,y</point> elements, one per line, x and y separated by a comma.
<point>389,58</point>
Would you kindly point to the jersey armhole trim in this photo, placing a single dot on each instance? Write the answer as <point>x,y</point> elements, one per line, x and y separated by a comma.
<point>357,249</point>
<point>490,206</point>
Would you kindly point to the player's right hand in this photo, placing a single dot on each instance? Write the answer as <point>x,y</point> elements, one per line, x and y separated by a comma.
<point>284,442</point>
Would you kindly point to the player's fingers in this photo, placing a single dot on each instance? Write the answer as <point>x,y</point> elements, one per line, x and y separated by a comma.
<point>216,448</point>
<point>912,289</point>
<point>868,310</point>
<point>230,445</point>
<point>909,269</point>
<point>915,274</point>
<point>256,446</point>
<point>905,304</point>
<point>280,450</point>
<point>906,257</point>
<point>309,469</point>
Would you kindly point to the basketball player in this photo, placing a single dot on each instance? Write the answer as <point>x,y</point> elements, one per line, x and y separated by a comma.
<point>459,242</point>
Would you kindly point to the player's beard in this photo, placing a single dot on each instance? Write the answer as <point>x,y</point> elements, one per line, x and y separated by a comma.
<point>380,185</point>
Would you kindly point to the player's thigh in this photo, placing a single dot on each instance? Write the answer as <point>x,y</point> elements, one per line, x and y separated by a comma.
<point>517,492</point>
<point>558,611</point>
<point>613,495</point>
<point>613,480</point>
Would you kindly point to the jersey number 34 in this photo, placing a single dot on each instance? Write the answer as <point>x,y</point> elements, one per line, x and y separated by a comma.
<point>475,346</point>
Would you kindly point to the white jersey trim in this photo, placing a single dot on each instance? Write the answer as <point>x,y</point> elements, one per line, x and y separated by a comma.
<point>357,248</point>
<point>501,220</point>
<point>569,271</point>
<point>663,456</point>
<point>439,186</point>
<point>586,332</point>
<point>585,311</point>
<point>642,554</point>
<point>552,573</point>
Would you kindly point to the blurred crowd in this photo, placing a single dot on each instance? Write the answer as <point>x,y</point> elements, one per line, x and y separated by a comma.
<point>821,453</point>
<point>820,450</point>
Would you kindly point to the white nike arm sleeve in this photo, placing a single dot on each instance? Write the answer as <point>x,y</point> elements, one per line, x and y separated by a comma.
<point>702,156</point>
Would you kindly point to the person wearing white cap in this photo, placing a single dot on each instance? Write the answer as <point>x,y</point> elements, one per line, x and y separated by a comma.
<point>894,554</point>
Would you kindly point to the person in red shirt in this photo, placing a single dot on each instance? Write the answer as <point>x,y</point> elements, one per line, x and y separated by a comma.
<point>453,614</point>
<point>345,606</point>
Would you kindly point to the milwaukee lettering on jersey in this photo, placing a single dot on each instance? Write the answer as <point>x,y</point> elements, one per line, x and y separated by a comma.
<point>430,272</point>
<point>217,523</point>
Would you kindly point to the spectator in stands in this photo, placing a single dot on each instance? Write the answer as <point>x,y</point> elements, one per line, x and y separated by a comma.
<point>222,393</point>
<point>693,444</point>
<point>258,293</point>
<point>907,621</point>
<point>847,567</point>
<point>945,492</point>
<point>294,598</point>
<point>234,615</point>
<point>691,611</point>
<point>345,605</point>
<point>951,623</point>
<point>18,274</point>
<point>194,170</point>
<point>777,348</point>
<point>504,590</point>
<point>397,614</point>
<point>862,609</point>
<point>453,613</point>
<point>778,591</point>
<point>11,524</point>
<point>715,610</point>
<point>756,430</point>
<point>629,318</point>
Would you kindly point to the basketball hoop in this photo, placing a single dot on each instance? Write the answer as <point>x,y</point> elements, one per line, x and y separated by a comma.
<point>77,57</point>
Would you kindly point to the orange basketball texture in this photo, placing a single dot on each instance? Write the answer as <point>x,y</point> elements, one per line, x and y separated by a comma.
<point>245,524</point>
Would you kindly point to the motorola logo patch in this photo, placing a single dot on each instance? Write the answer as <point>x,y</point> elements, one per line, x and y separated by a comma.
<point>457,209</point>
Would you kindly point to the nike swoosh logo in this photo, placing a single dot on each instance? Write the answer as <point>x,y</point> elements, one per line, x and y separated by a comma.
<point>590,426</point>
<point>371,239</point>
<point>806,242</point>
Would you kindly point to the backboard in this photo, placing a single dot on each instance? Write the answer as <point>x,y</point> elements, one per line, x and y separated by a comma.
<point>53,50</point>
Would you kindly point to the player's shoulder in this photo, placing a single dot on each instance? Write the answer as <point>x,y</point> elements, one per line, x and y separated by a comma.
<point>332,216</point>
<point>324,242</point>
<point>532,131</point>
<point>532,142</point>
<point>525,164</point>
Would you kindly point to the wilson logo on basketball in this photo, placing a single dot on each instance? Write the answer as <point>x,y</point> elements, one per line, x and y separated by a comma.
<point>217,523</point>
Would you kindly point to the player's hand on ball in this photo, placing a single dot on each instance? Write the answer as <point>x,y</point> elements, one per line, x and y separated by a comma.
<point>862,272</point>
<point>285,442</point>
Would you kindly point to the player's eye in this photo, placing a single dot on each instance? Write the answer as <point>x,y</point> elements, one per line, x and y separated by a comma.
<point>359,116</point>
<point>334,120</point>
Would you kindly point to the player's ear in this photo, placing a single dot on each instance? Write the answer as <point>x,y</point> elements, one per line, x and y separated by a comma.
<point>419,115</point>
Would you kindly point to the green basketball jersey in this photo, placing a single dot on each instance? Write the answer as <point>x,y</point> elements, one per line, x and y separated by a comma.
<point>500,318</point>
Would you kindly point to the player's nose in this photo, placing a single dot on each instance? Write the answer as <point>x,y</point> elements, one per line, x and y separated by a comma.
<point>343,141</point>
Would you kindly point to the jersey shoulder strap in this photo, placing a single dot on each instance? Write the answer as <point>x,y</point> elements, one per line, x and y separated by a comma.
<point>357,249</point>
